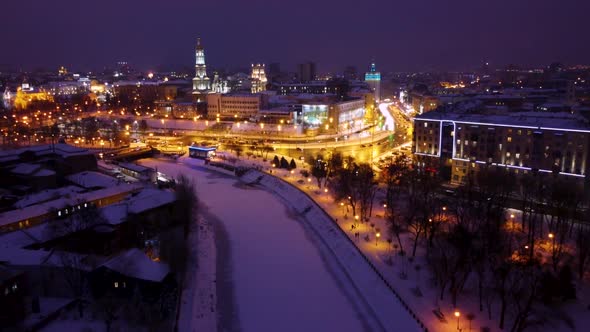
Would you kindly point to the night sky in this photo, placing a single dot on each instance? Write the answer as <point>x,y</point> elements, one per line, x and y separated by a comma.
<point>400,35</point>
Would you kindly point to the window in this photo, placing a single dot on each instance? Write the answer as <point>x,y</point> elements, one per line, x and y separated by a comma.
<point>116,284</point>
<point>509,139</point>
<point>425,125</point>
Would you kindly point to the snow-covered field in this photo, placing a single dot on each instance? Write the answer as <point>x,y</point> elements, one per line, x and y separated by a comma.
<point>283,278</point>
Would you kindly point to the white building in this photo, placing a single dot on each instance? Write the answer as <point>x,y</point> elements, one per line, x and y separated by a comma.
<point>201,83</point>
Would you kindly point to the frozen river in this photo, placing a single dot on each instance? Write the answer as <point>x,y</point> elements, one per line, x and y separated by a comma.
<point>280,279</point>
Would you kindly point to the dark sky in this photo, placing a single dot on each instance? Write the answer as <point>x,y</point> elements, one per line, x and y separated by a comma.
<point>400,35</point>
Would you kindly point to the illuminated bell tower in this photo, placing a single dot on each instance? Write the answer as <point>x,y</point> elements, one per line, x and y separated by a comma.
<point>373,79</point>
<point>201,83</point>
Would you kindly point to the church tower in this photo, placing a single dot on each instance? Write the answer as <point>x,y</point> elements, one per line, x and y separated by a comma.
<point>201,83</point>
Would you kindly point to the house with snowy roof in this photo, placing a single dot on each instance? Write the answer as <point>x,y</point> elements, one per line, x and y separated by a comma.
<point>131,272</point>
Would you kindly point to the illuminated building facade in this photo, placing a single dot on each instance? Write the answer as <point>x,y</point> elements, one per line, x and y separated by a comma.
<point>201,83</point>
<point>7,98</point>
<point>521,142</point>
<point>332,117</point>
<point>219,85</point>
<point>373,79</point>
<point>258,78</point>
<point>26,94</point>
<point>225,106</point>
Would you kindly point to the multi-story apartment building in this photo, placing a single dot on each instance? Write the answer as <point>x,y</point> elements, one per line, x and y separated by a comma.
<point>521,142</point>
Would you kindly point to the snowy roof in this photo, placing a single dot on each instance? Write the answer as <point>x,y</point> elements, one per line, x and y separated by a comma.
<point>47,195</point>
<point>25,257</point>
<point>61,149</point>
<point>149,199</point>
<point>536,120</point>
<point>92,180</point>
<point>135,264</point>
<point>25,169</point>
<point>135,167</point>
<point>115,214</point>
<point>33,211</point>
<point>145,200</point>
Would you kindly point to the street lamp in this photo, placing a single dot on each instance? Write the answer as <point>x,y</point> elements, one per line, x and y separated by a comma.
<point>458,315</point>
<point>377,238</point>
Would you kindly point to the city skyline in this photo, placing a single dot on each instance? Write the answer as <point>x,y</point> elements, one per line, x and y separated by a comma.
<point>399,36</point>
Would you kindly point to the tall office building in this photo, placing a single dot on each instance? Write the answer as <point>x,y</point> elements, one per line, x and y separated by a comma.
<point>274,71</point>
<point>350,73</point>
<point>373,79</point>
<point>201,83</point>
<point>258,78</point>
<point>306,71</point>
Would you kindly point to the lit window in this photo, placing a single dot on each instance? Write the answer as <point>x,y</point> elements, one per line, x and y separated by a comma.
<point>509,139</point>
<point>59,213</point>
<point>116,284</point>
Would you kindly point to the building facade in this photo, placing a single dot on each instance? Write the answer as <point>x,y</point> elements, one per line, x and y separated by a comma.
<point>258,78</point>
<point>524,142</point>
<point>201,83</point>
<point>373,79</point>
<point>243,106</point>
<point>306,71</point>
<point>332,117</point>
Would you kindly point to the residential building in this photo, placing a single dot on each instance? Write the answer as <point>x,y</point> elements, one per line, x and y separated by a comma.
<point>522,142</point>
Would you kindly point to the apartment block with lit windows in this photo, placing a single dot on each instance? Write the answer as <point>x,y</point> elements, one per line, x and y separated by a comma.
<point>521,142</point>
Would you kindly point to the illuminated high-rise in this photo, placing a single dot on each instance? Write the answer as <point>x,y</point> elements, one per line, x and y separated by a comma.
<point>258,78</point>
<point>201,83</point>
<point>373,79</point>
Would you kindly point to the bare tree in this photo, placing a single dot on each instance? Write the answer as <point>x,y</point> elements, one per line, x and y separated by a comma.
<point>394,178</point>
<point>583,248</point>
<point>81,216</point>
<point>319,170</point>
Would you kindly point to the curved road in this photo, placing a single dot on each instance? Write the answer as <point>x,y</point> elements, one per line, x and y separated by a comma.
<point>280,280</point>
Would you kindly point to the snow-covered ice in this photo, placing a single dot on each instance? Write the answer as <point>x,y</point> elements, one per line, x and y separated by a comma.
<point>281,280</point>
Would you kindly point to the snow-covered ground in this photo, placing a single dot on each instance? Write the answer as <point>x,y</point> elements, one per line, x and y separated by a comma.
<point>198,310</point>
<point>282,276</point>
